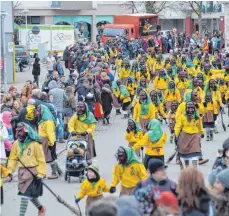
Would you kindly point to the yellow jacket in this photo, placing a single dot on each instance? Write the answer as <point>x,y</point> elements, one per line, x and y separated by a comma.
<point>159,109</point>
<point>80,127</point>
<point>152,149</point>
<point>129,175</point>
<point>131,88</point>
<point>150,63</point>
<point>137,112</point>
<point>124,73</point>
<point>33,156</point>
<point>116,93</point>
<point>135,100</point>
<point>160,84</point>
<point>191,127</point>
<point>113,53</point>
<point>217,97</point>
<point>118,62</point>
<point>158,65</point>
<point>227,95</point>
<point>4,173</point>
<point>192,71</point>
<point>222,88</point>
<point>169,97</point>
<point>93,190</point>
<point>212,107</point>
<point>47,129</point>
<point>132,137</point>
<point>182,85</point>
<point>138,77</point>
<point>125,99</point>
<point>147,76</point>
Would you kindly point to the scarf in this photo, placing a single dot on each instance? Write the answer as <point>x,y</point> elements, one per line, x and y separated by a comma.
<point>145,105</point>
<point>124,91</point>
<point>131,156</point>
<point>46,115</point>
<point>87,117</point>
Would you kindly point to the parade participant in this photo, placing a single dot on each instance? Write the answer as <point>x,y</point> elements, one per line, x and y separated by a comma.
<point>124,71</point>
<point>27,154</point>
<point>118,62</point>
<point>161,81</point>
<point>171,116</point>
<point>151,62</point>
<point>116,96</point>
<point>158,106</point>
<point>154,141</point>
<point>190,67</point>
<point>125,100</point>
<point>158,177</point>
<point>133,134</point>
<point>46,130</point>
<point>170,73</point>
<point>194,86</point>
<point>83,123</point>
<point>135,71</point>
<point>143,84</point>
<point>211,112</point>
<point>188,130</point>
<point>93,187</point>
<point>131,86</point>
<point>171,94</point>
<point>129,170</point>
<point>167,63</point>
<point>144,73</point>
<point>159,64</point>
<point>144,110</point>
<point>222,86</point>
<point>182,83</point>
<point>226,74</point>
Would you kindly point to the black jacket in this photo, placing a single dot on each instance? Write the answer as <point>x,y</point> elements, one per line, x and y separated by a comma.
<point>65,55</point>
<point>106,100</point>
<point>36,69</point>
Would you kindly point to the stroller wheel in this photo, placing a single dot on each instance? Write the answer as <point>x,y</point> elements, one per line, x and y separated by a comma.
<point>65,176</point>
<point>69,179</point>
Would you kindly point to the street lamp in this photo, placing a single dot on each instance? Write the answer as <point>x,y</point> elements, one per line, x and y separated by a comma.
<point>3,48</point>
<point>26,12</point>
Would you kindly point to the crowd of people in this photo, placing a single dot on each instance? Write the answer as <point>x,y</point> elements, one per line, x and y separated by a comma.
<point>188,92</point>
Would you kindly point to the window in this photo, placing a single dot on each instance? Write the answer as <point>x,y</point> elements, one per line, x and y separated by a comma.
<point>55,4</point>
<point>35,20</point>
<point>132,31</point>
<point>113,32</point>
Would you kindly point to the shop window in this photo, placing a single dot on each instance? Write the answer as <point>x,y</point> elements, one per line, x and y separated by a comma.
<point>35,20</point>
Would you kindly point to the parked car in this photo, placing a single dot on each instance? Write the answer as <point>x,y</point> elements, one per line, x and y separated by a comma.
<point>22,54</point>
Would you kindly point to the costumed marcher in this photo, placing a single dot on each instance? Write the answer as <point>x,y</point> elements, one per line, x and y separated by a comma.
<point>161,81</point>
<point>131,86</point>
<point>171,94</point>
<point>125,100</point>
<point>154,141</point>
<point>158,106</point>
<point>188,132</point>
<point>46,130</point>
<point>182,83</point>
<point>93,187</point>
<point>211,112</point>
<point>116,96</point>
<point>107,100</point>
<point>133,134</point>
<point>144,110</point>
<point>143,84</point>
<point>27,154</point>
<point>171,116</point>
<point>129,171</point>
<point>83,123</point>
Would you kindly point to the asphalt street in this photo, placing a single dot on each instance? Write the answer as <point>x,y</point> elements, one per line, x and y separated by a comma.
<point>108,139</point>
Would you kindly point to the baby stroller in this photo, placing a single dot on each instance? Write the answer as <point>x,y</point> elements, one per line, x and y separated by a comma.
<point>76,158</point>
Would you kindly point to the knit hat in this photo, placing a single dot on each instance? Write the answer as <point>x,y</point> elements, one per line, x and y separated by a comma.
<point>223,177</point>
<point>94,168</point>
<point>212,175</point>
<point>127,202</point>
<point>11,88</point>
<point>147,198</point>
<point>168,199</point>
<point>155,164</point>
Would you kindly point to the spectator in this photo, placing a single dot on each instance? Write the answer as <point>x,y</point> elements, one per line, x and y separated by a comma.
<point>65,57</point>
<point>58,100</point>
<point>26,92</point>
<point>194,200</point>
<point>36,71</point>
<point>50,61</point>
<point>59,67</point>
<point>7,103</point>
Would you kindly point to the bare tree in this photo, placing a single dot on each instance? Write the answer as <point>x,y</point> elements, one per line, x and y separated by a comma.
<point>18,16</point>
<point>193,7</point>
<point>155,7</point>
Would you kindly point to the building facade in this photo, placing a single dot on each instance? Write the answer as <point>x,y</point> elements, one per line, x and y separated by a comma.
<point>81,14</point>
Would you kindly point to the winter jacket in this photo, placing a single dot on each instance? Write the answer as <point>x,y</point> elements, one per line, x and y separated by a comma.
<point>59,69</point>
<point>132,137</point>
<point>65,55</point>
<point>107,100</point>
<point>36,69</point>
<point>170,96</point>
<point>152,149</point>
<point>165,185</point>
<point>58,95</point>
<point>137,112</point>
<point>129,175</point>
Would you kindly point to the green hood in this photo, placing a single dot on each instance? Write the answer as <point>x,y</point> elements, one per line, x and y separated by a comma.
<point>189,63</point>
<point>158,101</point>
<point>187,96</point>
<point>137,126</point>
<point>145,106</point>
<point>155,131</point>
<point>88,117</point>
<point>131,156</point>
<point>114,85</point>
<point>46,114</point>
<point>124,91</point>
<point>132,79</point>
<point>32,136</point>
